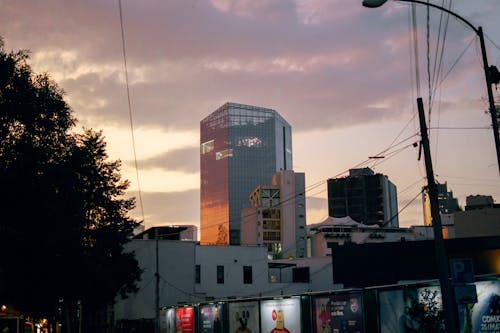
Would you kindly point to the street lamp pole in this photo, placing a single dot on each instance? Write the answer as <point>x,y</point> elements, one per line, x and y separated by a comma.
<point>490,72</point>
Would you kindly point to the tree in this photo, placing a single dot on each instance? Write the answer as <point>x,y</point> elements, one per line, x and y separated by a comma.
<point>64,220</point>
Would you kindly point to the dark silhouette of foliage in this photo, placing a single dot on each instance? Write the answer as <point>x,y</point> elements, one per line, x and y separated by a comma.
<point>64,220</point>
<point>425,315</point>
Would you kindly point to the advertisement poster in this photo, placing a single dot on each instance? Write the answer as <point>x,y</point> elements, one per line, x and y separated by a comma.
<point>399,308</point>
<point>170,320</point>
<point>280,315</point>
<point>340,313</point>
<point>244,317</point>
<point>184,320</point>
<point>211,318</point>
<point>163,321</point>
<point>484,316</point>
<point>167,320</point>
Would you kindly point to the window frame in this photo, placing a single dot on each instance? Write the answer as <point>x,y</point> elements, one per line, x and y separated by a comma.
<point>247,275</point>
<point>197,274</point>
<point>220,274</point>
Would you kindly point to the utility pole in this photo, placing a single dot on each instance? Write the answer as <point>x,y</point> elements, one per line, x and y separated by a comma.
<point>491,74</point>
<point>440,251</point>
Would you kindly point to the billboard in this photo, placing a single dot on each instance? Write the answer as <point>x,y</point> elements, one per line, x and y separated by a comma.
<point>280,315</point>
<point>338,313</point>
<point>184,320</point>
<point>244,317</point>
<point>484,316</point>
<point>211,318</point>
<point>398,312</point>
<point>410,309</point>
<point>167,320</point>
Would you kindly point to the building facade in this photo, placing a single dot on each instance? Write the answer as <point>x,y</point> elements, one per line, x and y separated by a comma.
<point>241,146</point>
<point>347,231</point>
<point>189,273</point>
<point>481,217</point>
<point>276,217</point>
<point>446,202</point>
<point>366,197</point>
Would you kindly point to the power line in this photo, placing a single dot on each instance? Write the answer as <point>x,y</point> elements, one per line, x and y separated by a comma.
<point>312,187</point>
<point>454,64</point>
<point>458,128</point>
<point>428,44</point>
<point>415,46</point>
<point>491,41</point>
<point>130,107</point>
<point>402,209</point>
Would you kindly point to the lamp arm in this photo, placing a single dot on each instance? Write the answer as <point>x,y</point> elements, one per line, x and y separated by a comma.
<point>444,10</point>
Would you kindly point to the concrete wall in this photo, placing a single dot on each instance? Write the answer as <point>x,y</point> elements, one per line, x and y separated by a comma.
<point>176,268</point>
<point>177,262</point>
<point>474,223</point>
<point>233,258</point>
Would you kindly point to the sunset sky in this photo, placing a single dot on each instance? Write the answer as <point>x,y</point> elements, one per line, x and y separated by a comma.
<point>343,76</point>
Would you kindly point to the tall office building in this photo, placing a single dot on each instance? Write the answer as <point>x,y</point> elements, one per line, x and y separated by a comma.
<point>366,197</point>
<point>241,146</point>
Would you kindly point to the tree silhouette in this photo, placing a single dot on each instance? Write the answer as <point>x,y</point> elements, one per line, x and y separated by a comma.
<point>64,220</point>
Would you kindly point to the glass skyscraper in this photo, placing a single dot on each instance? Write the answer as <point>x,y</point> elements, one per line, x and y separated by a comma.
<point>241,146</point>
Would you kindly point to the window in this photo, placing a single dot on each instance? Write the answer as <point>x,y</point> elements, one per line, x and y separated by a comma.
<point>197,274</point>
<point>247,274</point>
<point>220,274</point>
<point>223,154</point>
<point>207,147</point>
<point>300,274</point>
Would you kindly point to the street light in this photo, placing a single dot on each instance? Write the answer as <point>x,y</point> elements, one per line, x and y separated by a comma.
<point>492,76</point>
<point>491,73</point>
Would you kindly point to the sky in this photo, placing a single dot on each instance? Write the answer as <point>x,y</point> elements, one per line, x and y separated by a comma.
<point>344,76</point>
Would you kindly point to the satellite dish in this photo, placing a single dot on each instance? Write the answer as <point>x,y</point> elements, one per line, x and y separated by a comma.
<point>373,3</point>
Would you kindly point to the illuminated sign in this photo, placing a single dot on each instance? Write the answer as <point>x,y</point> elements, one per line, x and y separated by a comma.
<point>280,315</point>
<point>338,313</point>
<point>184,320</point>
<point>211,318</point>
<point>167,321</point>
<point>485,314</point>
<point>404,310</point>
<point>244,317</point>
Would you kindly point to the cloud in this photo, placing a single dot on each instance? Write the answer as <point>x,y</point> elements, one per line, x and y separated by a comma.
<point>185,160</point>
<point>169,207</point>
<point>322,64</point>
<point>316,203</point>
<point>334,69</point>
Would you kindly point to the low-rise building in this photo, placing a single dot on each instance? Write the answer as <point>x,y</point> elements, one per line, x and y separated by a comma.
<point>481,218</point>
<point>346,230</point>
<point>180,272</point>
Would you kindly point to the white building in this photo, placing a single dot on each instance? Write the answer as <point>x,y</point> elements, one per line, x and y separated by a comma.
<point>191,273</point>
<point>345,229</point>
<point>277,216</point>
